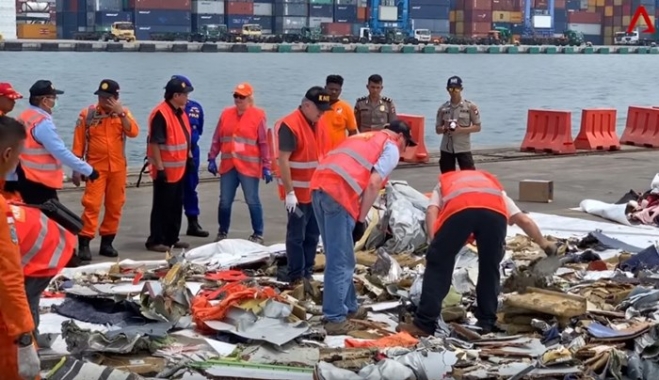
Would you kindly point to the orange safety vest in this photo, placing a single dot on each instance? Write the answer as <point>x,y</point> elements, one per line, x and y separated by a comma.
<point>467,189</point>
<point>46,247</point>
<point>37,163</point>
<point>345,172</point>
<point>239,137</point>
<point>312,145</point>
<point>174,154</point>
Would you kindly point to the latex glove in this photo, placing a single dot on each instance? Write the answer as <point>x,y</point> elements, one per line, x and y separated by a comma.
<point>76,179</point>
<point>267,175</point>
<point>358,231</point>
<point>29,364</point>
<point>94,176</point>
<point>161,176</point>
<point>212,167</point>
<point>291,202</point>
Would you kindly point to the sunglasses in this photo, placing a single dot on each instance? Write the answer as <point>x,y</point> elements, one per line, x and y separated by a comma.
<point>451,89</point>
<point>238,96</point>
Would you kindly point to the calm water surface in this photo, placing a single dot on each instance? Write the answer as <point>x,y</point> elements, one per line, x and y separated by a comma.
<point>503,86</point>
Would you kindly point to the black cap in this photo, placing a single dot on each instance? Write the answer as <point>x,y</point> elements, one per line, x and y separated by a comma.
<point>44,88</point>
<point>401,127</point>
<point>319,97</point>
<point>453,82</point>
<point>177,86</point>
<point>107,88</point>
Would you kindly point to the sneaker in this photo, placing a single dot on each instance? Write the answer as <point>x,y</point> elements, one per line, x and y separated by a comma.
<point>256,239</point>
<point>360,313</point>
<point>220,236</point>
<point>411,329</point>
<point>341,328</point>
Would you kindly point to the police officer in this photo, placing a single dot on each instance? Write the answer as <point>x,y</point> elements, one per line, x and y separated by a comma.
<point>457,119</point>
<point>190,199</point>
<point>374,111</point>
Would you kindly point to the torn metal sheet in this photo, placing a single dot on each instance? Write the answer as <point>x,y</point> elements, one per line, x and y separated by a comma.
<point>72,369</point>
<point>292,355</point>
<point>511,369</point>
<point>80,341</point>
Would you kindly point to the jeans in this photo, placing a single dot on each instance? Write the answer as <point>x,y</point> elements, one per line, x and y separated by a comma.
<point>336,225</point>
<point>302,237</point>
<point>229,182</point>
<point>447,161</point>
<point>489,229</point>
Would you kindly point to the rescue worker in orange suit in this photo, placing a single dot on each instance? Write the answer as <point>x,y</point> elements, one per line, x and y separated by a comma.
<point>344,188</point>
<point>100,139</point>
<point>18,353</point>
<point>39,173</point>
<point>8,97</point>
<point>302,141</point>
<point>241,139</point>
<point>190,199</point>
<point>169,157</point>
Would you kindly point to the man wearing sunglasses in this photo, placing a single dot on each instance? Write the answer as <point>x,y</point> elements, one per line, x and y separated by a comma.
<point>457,119</point>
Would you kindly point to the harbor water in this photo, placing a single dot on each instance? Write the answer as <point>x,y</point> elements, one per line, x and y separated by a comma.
<point>503,86</point>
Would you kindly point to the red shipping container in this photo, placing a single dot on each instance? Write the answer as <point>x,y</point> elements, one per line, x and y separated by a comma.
<point>477,28</point>
<point>336,29</point>
<point>559,4</point>
<point>239,8</point>
<point>617,22</point>
<point>178,5</point>
<point>362,13</point>
<point>608,2</point>
<point>584,18</point>
<point>503,5</point>
<point>540,4</point>
<point>519,5</point>
<point>479,5</point>
<point>626,10</point>
<point>608,21</point>
<point>477,16</point>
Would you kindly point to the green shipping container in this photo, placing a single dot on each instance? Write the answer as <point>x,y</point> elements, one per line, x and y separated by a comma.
<point>322,2</point>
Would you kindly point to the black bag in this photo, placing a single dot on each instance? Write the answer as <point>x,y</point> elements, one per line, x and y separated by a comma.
<point>61,215</point>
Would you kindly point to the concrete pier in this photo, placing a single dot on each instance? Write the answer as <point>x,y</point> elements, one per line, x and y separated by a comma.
<point>223,47</point>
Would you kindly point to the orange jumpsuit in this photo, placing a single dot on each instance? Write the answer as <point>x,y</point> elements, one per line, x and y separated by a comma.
<point>100,139</point>
<point>15,316</point>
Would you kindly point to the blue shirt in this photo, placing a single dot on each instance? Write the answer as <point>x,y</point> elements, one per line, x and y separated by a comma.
<point>388,160</point>
<point>196,115</point>
<point>45,133</point>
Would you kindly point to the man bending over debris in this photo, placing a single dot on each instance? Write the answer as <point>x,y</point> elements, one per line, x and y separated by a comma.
<point>469,202</point>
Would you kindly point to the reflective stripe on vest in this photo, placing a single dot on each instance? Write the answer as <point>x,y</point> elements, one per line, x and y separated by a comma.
<point>38,164</point>
<point>465,190</point>
<point>342,173</point>
<point>37,246</point>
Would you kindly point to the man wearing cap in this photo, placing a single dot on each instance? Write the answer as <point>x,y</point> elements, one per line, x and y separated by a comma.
<point>8,97</point>
<point>301,140</point>
<point>39,173</point>
<point>344,188</point>
<point>241,138</point>
<point>456,120</point>
<point>169,157</point>
<point>99,138</point>
<point>190,199</point>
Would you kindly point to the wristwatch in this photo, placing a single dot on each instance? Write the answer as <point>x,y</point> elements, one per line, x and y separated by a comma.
<point>24,340</point>
<point>122,115</point>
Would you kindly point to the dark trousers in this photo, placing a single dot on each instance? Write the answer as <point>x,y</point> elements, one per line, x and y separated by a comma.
<point>34,287</point>
<point>489,229</point>
<point>33,192</point>
<point>166,212</point>
<point>447,161</point>
<point>302,235</point>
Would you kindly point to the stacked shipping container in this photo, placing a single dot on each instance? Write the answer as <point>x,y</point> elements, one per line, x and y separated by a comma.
<point>431,14</point>
<point>160,16</point>
<point>88,15</point>
<point>206,13</point>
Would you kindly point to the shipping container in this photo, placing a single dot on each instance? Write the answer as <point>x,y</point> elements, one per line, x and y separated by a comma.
<point>199,20</point>
<point>584,18</point>
<point>573,5</point>
<point>36,31</point>
<point>84,5</point>
<point>107,18</point>
<point>105,5</point>
<point>560,16</point>
<point>477,28</point>
<point>559,4</point>
<point>388,13</point>
<point>66,5</point>
<point>516,17</point>
<point>589,29</point>
<point>440,3</point>
<point>362,13</point>
<point>477,5</point>
<point>336,29</point>
<point>322,2</point>
<point>208,7</point>
<point>345,13</point>
<point>239,8</point>
<point>504,5</point>
<point>291,10</point>
<point>32,6</point>
<point>143,32</point>
<point>499,16</point>
<point>594,39</point>
<point>182,5</point>
<point>316,22</point>
<point>72,19</point>
<point>430,12</point>
<point>540,4</point>
<point>66,32</point>
<point>289,24</point>
<point>345,2</point>
<point>156,17</point>
<point>321,10</point>
<point>435,26</point>
<point>290,1</point>
<point>477,16</point>
<point>237,21</point>
<point>263,9</point>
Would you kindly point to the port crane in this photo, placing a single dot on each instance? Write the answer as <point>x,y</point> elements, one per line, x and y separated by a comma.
<point>529,29</point>
<point>399,31</point>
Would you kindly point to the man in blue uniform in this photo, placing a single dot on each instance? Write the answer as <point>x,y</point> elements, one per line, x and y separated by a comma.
<point>190,200</point>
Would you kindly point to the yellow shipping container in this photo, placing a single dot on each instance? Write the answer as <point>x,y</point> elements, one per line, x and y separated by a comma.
<point>617,2</point>
<point>600,3</point>
<point>608,11</point>
<point>592,9</point>
<point>499,16</point>
<point>608,31</point>
<point>626,20</point>
<point>641,22</point>
<point>516,17</point>
<point>459,28</point>
<point>592,3</point>
<point>459,16</point>
<point>451,16</point>
<point>36,32</point>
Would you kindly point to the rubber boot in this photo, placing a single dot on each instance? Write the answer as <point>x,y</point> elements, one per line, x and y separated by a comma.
<point>84,254</point>
<point>194,229</point>
<point>107,249</point>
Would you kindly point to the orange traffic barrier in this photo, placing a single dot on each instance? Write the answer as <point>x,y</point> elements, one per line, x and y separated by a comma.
<point>416,154</point>
<point>598,130</point>
<point>549,131</point>
<point>642,127</point>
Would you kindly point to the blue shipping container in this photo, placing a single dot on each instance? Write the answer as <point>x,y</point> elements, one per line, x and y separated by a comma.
<point>345,13</point>
<point>237,21</point>
<point>595,40</point>
<point>320,10</point>
<point>143,32</point>
<point>163,17</point>
<point>430,12</point>
<point>264,1</point>
<point>67,19</point>
<point>560,16</point>
<point>66,32</point>
<point>437,3</point>
<point>573,5</point>
<point>199,20</point>
<point>107,18</point>
<point>67,5</point>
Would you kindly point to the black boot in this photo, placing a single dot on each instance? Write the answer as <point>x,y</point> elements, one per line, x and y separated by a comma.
<point>194,229</point>
<point>84,254</point>
<point>107,249</point>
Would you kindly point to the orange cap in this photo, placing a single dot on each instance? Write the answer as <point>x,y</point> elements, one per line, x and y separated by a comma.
<point>244,89</point>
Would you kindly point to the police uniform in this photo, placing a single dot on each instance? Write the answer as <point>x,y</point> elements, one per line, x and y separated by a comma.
<point>457,147</point>
<point>374,115</point>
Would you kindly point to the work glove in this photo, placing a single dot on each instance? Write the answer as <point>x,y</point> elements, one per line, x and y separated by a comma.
<point>555,249</point>
<point>358,231</point>
<point>291,202</point>
<point>161,176</point>
<point>267,175</point>
<point>94,176</point>
<point>29,364</point>
<point>212,167</point>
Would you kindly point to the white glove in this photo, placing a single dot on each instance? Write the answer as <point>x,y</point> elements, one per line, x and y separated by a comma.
<point>29,364</point>
<point>291,202</point>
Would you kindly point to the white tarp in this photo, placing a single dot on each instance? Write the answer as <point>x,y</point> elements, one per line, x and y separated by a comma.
<point>610,211</point>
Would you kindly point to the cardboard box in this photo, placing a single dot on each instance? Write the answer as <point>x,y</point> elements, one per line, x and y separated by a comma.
<point>534,190</point>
